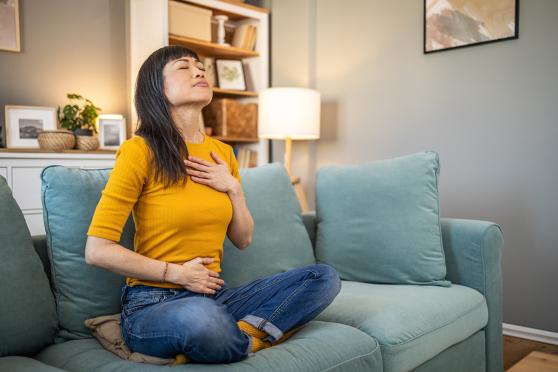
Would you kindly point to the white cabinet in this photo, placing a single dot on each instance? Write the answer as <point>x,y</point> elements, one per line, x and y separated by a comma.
<point>22,171</point>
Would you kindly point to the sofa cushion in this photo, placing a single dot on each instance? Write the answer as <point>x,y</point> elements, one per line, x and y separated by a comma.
<point>280,241</point>
<point>378,221</point>
<point>23,364</point>
<point>411,323</point>
<point>27,313</point>
<point>318,346</point>
<point>82,291</point>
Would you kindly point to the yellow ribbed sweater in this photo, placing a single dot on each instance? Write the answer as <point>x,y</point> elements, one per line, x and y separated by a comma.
<point>175,224</point>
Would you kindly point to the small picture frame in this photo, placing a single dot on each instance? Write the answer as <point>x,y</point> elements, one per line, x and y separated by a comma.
<point>112,131</point>
<point>24,123</point>
<point>230,74</point>
<point>9,26</point>
<point>209,65</point>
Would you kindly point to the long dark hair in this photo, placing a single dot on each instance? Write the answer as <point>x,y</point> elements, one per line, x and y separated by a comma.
<point>155,123</point>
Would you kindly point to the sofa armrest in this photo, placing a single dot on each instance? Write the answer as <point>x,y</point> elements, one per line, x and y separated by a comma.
<point>309,219</point>
<point>473,252</point>
<point>40,245</point>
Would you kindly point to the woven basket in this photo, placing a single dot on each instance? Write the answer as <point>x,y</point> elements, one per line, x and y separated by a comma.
<point>56,140</point>
<point>87,143</point>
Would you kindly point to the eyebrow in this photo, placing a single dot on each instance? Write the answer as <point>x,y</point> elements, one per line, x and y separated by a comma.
<point>185,60</point>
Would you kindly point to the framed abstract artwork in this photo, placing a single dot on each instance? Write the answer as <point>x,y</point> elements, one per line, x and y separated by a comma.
<point>9,25</point>
<point>450,24</point>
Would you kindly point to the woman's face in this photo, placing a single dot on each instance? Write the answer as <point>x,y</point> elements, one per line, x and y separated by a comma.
<point>185,82</point>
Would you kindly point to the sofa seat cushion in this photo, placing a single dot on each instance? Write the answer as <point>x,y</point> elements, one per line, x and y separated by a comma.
<point>411,323</point>
<point>24,364</point>
<point>318,346</point>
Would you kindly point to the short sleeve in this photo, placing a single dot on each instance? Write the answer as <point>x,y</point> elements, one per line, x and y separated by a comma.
<point>121,192</point>
<point>234,166</point>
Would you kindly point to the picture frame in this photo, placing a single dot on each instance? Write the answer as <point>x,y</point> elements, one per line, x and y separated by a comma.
<point>456,25</point>
<point>230,74</point>
<point>209,65</point>
<point>112,131</point>
<point>24,123</point>
<point>9,27</point>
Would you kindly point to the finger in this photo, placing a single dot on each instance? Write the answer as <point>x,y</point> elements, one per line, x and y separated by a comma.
<point>217,159</point>
<point>198,160</point>
<point>196,173</point>
<point>197,165</point>
<point>213,285</point>
<point>217,280</point>
<point>200,180</point>
<point>213,273</point>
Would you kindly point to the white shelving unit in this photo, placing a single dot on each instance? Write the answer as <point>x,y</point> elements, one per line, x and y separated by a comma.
<point>147,28</point>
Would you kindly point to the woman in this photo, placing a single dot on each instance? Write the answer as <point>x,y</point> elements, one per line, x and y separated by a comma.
<point>184,190</point>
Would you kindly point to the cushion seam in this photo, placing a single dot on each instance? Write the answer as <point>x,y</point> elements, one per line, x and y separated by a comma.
<point>355,357</point>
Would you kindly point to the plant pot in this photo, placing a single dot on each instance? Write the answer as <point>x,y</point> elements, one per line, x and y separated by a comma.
<point>87,143</point>
<point>83,132</point>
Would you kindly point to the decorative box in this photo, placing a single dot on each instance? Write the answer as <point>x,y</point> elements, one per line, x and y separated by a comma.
<point>229,118</point>
<point>189,20</point>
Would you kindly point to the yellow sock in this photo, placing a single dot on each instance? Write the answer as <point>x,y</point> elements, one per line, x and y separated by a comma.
<point>287,334</point>
<point>181,359</point>
<point>251,330</point>
<point>257,335</point>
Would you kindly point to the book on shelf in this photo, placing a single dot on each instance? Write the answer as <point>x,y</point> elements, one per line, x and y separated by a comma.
<point>246,158</point>
<point>245,36</point>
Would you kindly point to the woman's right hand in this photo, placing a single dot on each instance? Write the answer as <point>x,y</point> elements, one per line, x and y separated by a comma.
<point>195,277</point>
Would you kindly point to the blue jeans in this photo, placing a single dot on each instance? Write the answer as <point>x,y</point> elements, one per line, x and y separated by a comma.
<point>164,322</point>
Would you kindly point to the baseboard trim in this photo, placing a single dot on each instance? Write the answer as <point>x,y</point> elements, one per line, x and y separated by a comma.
<point>530,333</point>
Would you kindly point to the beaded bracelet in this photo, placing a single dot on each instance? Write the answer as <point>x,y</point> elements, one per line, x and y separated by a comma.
<point>165,272</point>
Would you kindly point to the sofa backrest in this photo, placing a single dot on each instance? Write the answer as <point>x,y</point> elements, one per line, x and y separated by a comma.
<point>81,291</point>
<point>280,241</point>
<point>70,195</point>
<point>27,313</point>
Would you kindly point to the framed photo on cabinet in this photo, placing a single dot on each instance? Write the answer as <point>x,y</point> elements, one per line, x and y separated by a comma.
<point>24,123</point>
<point>112,131</point>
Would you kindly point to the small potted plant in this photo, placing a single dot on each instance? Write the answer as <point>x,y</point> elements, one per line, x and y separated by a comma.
<point>79,116</point>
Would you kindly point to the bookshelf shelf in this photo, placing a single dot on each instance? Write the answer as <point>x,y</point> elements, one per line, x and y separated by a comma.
<point>239,93</point>
<point>211,49</point>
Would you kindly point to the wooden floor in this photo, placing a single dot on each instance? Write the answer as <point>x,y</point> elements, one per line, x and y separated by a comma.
<point>516,349</point>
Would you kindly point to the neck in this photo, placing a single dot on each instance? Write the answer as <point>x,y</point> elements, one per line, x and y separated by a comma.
<point>186,118</point>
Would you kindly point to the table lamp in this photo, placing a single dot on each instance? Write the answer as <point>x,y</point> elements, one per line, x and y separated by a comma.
<point>290,114</point>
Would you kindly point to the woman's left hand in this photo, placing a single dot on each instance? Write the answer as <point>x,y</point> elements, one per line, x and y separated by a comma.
<point>217,175</point>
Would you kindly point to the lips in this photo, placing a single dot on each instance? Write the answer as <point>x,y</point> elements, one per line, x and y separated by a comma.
<point>201,84</point>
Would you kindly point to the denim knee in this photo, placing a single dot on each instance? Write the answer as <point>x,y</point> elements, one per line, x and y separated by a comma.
<point>214,336</point>
<point>329,276</point>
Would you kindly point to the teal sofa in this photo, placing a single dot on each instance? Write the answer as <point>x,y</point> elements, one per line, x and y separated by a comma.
<point>368,327</point>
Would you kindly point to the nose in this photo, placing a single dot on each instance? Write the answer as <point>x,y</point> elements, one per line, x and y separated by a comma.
<point>199,73</point>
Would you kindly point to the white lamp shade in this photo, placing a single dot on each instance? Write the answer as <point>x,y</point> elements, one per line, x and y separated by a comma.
<point>289,112</point>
